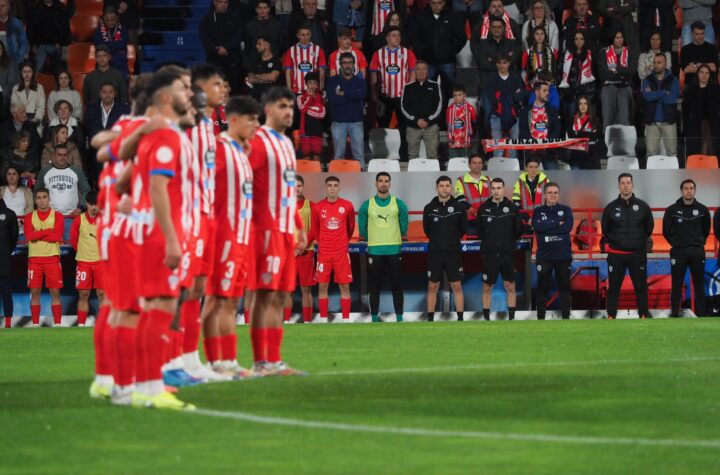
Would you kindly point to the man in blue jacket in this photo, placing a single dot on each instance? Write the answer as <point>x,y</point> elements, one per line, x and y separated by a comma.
<point>346,97</point>
<point>552,223</point>
<point>660,91</point>
<point>12,33</point>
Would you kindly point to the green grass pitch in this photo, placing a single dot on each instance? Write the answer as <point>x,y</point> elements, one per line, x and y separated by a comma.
<point>551,397</point>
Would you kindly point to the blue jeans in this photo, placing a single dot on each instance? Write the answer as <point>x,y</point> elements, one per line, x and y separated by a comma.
<point>709,33</point>
<point>497,133</point>
<point>43,51</point>
<point>447,71</point>
<point>340,131</point>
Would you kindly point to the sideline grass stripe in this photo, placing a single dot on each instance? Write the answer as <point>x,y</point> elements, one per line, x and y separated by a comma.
<point>585,440</point>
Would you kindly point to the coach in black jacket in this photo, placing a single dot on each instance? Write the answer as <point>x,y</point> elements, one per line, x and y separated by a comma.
<point>422,105</point>
<point>8,241</point>
<point>498,227</point>
<point>686,226</point>
<point>444,223</point>
<point>627,223</point>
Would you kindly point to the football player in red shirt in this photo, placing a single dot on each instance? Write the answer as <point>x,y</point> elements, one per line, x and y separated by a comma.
<point>333,224</point>
<point>272,272</point>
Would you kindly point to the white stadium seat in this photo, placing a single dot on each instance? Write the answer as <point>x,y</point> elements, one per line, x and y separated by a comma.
<point>465,59</point>
<point>620,140</point>
<point>423,165</point>
<point>500,164</point>
<point>623,163</point>
<point>457,164</point>
<point>383,165</point>
<point>423,150</point>
<point>385,143</point>
<point>661,162</point>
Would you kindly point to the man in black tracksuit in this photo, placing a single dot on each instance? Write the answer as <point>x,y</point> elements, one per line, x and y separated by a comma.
<point>627,223</point>
<point>8,241</point>
<point>444,223</point>
<point>498,227</point>
<point>553,223</point>
<point>686,226</point>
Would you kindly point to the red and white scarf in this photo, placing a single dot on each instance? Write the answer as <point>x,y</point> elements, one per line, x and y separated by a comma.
<point>582,124</point>
<point>586,75</point>
<point>110,35</point>
<point>485,28</point>
<point>459,123</point>
<point>611,57</point>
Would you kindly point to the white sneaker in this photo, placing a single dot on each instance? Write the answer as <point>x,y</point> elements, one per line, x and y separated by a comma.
<point>122,395</point>
<point>206,374</point>
<point>237,371</point>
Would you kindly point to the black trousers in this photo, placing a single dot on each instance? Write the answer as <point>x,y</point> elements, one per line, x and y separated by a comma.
<point>378,266</point>
<point>392,104</point>
<point>6,293</point>
<point>561,269</point>
<point>680,260</point>
<point>636,263</point>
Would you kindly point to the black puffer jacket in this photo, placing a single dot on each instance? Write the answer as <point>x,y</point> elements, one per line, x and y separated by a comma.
<point>444,224</point>
<point>8,237</point>
<point>626,225</point>
<point>686,226</point>
<point>498,226</point>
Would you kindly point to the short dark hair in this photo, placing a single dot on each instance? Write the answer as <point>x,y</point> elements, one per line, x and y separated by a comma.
<point>443,178</point>
<point>102,49</point>
<point>625,175</point>
<point>109,9</point>
<point>546,76</point>
<point>539,84</point>
<point>502,57</point>
<point>204,71</point>
<point>377,177</point>
<point>242,105</point>
<point>300,179</point>
<point>313,76</point>
<point>40,189</point>
<point>57,105</point>
<point>346,56</point>
<point>108,83</point>
<point>91,197</point>
<point>497,179</point>
<point>258,2</point>
<point>551,184</point>
<point>697,25</point>
<point>276,93</point>
<point>476,155</point>
<point>138,93</point>
<point>344,32</point>
<point>532,157</point>
<point>494,18</point>
<point>688,180</point>
<point>457,87</point>
<point>660,55</point>
<point>304,26</point>
<point>59,146</point>
<point>161,80</point>
<point>390,29</point>
<point>332,178</point>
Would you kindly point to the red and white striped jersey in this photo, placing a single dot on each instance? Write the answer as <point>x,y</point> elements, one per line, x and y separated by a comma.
<point>381,10</point>
<point>272,157</point>
<point>302,60</point>
<point>393,68</point>
<point>233,207</point>
<point>166,152</point>
<point>107,202</point>
<point>203,141</point>
<point>334,62</point>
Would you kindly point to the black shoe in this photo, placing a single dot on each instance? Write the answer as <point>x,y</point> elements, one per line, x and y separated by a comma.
<point>460,319</point>
<point>540,316</point>
<point>566,317</point>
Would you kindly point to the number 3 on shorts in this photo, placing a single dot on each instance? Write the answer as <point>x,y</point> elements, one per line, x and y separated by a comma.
<point>273,264</point>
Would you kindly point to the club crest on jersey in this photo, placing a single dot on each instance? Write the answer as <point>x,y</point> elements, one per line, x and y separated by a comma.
<point>451,209</point>
<point>341,210</point>
<point>560,213</point>
<point>266,278</point>
<point>695,212</point>
<point>2,217</point>
<point>225,284</point>
<point>636,207</point>
<point>506,209</point>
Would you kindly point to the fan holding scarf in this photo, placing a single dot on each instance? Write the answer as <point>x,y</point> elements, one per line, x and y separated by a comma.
<point>615,68</point>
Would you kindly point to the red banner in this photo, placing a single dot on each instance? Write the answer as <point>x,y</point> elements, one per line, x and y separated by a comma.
<point>491,145</point>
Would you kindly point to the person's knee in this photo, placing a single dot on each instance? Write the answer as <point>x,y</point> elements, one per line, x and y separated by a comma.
<point>509,285</point>
<point>456,286</point>
<point>433,286</point>
<point>84,294</point>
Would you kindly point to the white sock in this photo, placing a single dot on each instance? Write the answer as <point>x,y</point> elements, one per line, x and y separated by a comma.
<point>104,380</point>
<point>155,387</point>
<point>191,361</point>
<point>141,388</point>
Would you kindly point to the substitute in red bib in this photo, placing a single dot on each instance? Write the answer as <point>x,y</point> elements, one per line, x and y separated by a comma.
<point>271,273</point>
<point>333,224</point>
<point>305,260</point>
<point>89,270</point>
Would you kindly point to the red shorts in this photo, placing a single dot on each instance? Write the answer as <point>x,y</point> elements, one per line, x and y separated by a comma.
<point>271,265</point>
<point>90,275</point>
<point>122,286</point>
<point>154,278</point>
<point>230,274</point>
<point>207,235</point>
<point>337,264</point>
<point>311,146</point>
<point>190,261</point>
<point>306,269</point>
<point>49,267</point>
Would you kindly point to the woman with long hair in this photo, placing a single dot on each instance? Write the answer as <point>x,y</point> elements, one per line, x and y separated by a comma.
<point>577,75</point>
<point>65,92</point>
<point>539,57</point>
<point>645,60</point>
<point>584,124</point>
<point>393,19</point>
<point>540,14</point>
<point>16,196</point>
<point>9,76</point>
<point>702,114</point>
<point>60,135</point>
<point>615,69</point>
<point>21,156</point>
<point>29,93</point>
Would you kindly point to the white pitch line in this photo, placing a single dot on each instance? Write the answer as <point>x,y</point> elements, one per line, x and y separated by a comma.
<point>510,365</point>
<point>568,439</point>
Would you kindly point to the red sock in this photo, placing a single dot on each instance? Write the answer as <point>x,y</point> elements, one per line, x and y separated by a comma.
<point>103,365</point>
<point>125,339</point>
<point>307,314</point>
<point>108,346</point>
<point>288,312</point>
<point>35,313</point>
<point>345,308</point>
<point>190,313</point>
<point>140,354</point>
<point>57,314</point>
<point>259,340</point>
<point>82,317</point>
<point>212,348</point>
<point>8,322</point>
<point>246,314</point>
<point>274,337</point>
<point>323,305</point>
<point>228,347</point>
<point>177,338</point>
<point>156,342</point>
